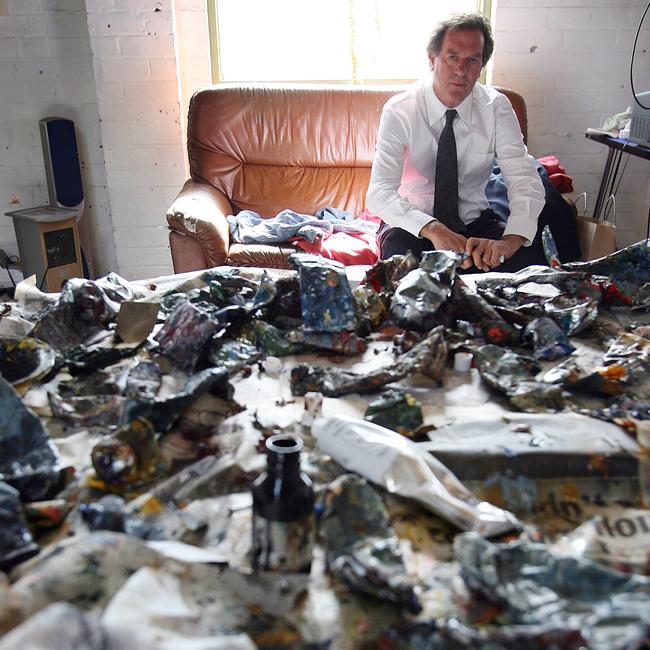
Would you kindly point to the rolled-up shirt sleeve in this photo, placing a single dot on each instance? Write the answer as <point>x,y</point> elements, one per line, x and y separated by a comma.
<point>525,189</point>
<point>383,198</point>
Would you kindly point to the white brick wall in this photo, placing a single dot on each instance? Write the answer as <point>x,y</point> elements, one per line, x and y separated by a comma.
<point>45,70</point>
<point>572,68</point>
<point>192,44</point>
<point>137,57</point>
<point>135,67</point>
<point>110,65</point>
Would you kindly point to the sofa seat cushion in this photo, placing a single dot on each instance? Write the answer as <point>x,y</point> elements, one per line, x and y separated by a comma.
<point>262,255</point>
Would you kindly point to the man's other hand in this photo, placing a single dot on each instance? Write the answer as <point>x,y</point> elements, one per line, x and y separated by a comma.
<point>445,239</point>
<point>487,254</point>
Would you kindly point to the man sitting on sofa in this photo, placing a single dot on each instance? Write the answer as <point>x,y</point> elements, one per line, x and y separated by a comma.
<point>436,146</point>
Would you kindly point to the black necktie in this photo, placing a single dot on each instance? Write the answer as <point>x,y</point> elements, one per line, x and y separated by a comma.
<point>445,200</point>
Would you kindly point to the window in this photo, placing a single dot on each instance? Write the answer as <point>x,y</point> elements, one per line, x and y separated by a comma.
<point>351,41</point>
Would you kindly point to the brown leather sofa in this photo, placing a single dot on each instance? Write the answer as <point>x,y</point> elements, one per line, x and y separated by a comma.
<point>271,147</point>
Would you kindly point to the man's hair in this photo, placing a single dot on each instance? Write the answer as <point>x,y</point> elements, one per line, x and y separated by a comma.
<point>463,21</point>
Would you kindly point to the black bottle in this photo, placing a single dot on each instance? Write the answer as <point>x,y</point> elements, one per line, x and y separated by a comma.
<point>283,510</point>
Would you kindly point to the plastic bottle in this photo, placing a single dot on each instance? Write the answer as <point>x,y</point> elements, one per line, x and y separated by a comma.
<point>283,510</point>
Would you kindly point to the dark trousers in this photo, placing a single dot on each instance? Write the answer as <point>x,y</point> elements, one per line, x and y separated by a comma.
<point>395,241</point>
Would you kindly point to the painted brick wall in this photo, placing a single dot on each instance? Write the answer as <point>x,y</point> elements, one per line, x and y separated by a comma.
<point>192,47</point>
<point>134,59</point>
<point>115,68</point>
<point>46,70</point>
<point>572,68</point>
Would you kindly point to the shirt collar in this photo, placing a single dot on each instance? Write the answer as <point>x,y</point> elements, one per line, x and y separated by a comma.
<point>436,109</point>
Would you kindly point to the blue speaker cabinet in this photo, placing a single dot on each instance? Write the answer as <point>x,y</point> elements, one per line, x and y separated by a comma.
<point>61,155</point>
<point>48,244</point>
<point>48,239</point>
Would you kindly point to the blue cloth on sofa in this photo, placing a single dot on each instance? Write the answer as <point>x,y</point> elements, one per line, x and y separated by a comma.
<point>557,213</point>
<point>248,227</point>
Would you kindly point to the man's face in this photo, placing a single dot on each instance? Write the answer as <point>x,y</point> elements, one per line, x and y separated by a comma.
<point>458,66</point>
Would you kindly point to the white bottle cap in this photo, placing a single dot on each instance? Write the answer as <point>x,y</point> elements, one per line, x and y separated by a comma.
<point>272,365</point>
<point>463,361</point>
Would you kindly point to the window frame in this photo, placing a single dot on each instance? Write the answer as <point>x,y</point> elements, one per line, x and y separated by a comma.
<point>482,6</point>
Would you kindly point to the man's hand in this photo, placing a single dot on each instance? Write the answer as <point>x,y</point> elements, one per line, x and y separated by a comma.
<point>443,238</point>
<point>487,254</point>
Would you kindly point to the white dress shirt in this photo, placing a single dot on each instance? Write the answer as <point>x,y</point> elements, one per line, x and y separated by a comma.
<point>402,180</point>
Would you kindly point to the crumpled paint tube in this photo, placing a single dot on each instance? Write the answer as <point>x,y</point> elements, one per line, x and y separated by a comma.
<point>185,333</point>
<point>129,458</point>
<point>361,545</point>
<point>427,357</point>
<point>550,248</point>
<point>584,374</point>
<point>514,375</point>
<point>83,308</point>
<point>143,380</point>
<point>536,397</point>
<point>500,367</point>
<point>287,299</point>
<point>420,294</point>
<point>624,272</point>
<point>471,306</point>
<point>573,314</point>
<point>538,587</point>
<point>25,360</point>
<point>83,358</point>
<point>386,274</point>
<point>88,410</point>
<point>109,514</point>
<point>548,340</point>
<point>325,294</point>
<point>232,355</point>
<point>570,299</point>
<point>164,412</point>
<point>631,353</point>
<point>273,341</point>
<point>390,460</point>
<point>371,305</point>
<point>91,301</point>
<point>222,290</point>
<point>573,282</point>
<point>16,542</point>
<point>29,459</point>
<point>395,410</point>
<point>451,634</point>
<point>57,325</point>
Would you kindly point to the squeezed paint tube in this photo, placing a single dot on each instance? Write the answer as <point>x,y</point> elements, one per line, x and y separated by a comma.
<point>390,460</point>
<point>535,586</point>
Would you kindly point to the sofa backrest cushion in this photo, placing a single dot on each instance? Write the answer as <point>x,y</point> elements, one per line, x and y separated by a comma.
<point>271,147</point>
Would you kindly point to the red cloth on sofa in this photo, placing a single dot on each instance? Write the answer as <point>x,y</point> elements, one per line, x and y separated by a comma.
<point>347,248</point>
<point>557,174</point>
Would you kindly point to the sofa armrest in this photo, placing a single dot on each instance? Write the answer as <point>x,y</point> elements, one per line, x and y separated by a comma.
<point>199,211</point>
